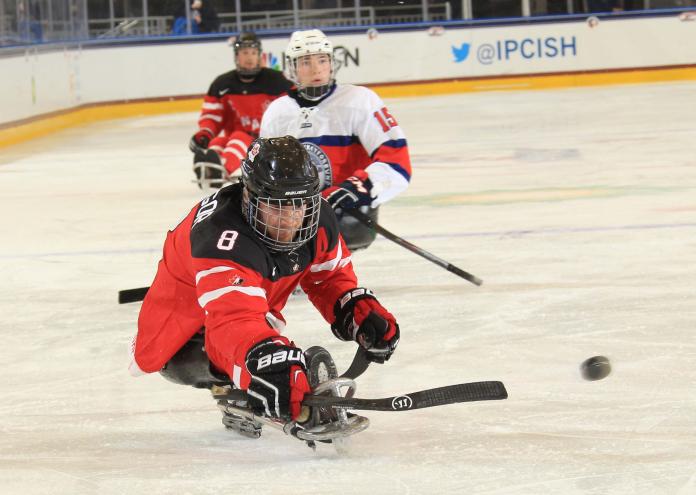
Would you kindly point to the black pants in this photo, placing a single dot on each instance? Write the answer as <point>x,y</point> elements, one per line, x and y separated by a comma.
<point>191,366</point>
<point>356,234</point>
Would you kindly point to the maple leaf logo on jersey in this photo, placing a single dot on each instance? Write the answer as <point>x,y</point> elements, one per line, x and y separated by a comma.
<point>254,151</point>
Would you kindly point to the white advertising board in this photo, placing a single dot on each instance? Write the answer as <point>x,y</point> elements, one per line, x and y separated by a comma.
<point>40,82</point>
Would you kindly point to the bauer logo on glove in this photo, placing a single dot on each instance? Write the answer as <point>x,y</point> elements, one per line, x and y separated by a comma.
<point>281,357</point>
<point>278,380</point>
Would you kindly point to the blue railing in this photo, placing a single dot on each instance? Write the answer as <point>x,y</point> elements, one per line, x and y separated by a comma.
<point>32,22</point>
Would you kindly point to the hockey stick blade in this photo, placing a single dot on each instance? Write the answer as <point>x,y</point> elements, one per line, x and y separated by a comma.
<point>358,366</point>
<point>132,295</point>
<point>441,396</point>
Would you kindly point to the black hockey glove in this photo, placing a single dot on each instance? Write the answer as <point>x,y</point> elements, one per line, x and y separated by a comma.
<point>201,139</point>
<point>278,379</point>
<point>360,317</point>
<point>354,192</point>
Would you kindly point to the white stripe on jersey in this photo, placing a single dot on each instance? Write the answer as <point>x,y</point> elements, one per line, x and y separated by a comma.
<point>210,116</point>
<point>331,264</point>
<point>214,294</point>
<point>235,152</point>
<point>216,269</point>
<point>237,142</point>
<point>212,106</point>
<point>237,376</point>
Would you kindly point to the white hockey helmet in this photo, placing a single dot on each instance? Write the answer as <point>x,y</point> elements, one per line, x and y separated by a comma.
<point>309,42</point>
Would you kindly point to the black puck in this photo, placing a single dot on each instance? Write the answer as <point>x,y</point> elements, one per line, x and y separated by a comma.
<point>595,368</point>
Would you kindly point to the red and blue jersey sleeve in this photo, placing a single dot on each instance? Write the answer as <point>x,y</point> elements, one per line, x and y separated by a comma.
<point>385,142</point>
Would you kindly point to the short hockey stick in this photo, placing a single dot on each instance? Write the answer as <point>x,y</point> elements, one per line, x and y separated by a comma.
<point>361,217</point>
<point>451,394</point>
<point>132,295</point>
<point>358,366</point>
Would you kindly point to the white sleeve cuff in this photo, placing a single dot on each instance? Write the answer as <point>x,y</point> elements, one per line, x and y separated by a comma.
<point>387,183</point>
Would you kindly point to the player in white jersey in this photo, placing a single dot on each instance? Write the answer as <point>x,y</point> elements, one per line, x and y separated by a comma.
<point>359,148</point>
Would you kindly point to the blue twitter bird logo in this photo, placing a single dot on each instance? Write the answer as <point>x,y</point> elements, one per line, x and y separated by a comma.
<point>461,53</point>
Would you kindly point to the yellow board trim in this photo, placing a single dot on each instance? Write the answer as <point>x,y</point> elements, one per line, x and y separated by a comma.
<point>45,126</point>
<point>71,118</point>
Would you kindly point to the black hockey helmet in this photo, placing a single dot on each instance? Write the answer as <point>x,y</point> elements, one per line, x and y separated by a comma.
<point>282,197</point>
<point>247,40</point>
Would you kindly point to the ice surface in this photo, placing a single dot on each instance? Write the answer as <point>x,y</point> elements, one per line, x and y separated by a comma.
<point>578,209</point>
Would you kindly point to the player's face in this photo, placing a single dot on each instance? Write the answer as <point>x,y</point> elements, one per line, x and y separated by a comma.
<point>248,58</point>
<point>281,221</point>
<point>314,70</point>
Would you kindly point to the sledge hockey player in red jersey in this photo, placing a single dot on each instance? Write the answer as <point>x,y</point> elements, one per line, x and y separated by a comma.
<point>355,142</point>
<point>213,313</point>
<point>231,114</point>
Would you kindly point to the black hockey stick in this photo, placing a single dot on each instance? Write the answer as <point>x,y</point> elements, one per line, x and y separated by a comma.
<point>361,217</point>
<point>451,394</point>
<point>132,295</point>
<point>432,397</point>
<point>358,366</point>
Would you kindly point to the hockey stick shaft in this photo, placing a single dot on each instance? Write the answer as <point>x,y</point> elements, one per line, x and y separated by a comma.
<point>451,394</point>
<point>132,295</point>
<point>361,217</point>
<point>432,397</point>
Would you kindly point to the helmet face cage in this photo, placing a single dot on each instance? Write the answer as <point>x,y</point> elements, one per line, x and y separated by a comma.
<point>304,43</point>
<point>283,225</point>
<point>247,40</point>
<point>281,199</point>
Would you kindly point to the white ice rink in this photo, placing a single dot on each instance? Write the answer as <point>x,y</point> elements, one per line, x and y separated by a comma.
<point>576,207</point>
